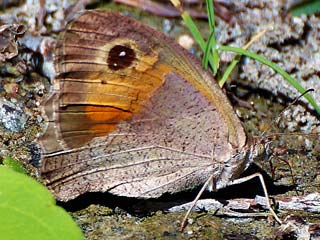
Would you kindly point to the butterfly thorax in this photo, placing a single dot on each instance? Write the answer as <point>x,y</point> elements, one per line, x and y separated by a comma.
<point>256,149</point>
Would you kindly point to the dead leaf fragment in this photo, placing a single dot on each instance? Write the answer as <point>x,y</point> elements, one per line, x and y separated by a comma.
<point>8,40</point>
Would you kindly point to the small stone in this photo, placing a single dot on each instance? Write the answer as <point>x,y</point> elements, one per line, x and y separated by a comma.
<point>39,118</point>
<point>12,116</point>
<point>186,41</point>
<point>11,88</point>
<point>190,221</point>
<point>167,25</point>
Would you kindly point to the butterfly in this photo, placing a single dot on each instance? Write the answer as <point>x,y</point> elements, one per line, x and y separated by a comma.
<point>134,114</point>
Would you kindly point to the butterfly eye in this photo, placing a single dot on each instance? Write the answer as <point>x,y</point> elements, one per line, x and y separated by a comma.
<point>120,57</point>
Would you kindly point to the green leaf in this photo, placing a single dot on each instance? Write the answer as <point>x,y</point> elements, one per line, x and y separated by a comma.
<point>28,211</point>
<point>13,164</point>
<point>306,7</point>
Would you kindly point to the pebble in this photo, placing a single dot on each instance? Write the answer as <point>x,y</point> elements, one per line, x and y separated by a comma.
<point>12,117</point>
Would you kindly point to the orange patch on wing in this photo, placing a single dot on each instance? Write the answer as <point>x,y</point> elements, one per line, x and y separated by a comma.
<point>106,114</point>
<point>105,119</point>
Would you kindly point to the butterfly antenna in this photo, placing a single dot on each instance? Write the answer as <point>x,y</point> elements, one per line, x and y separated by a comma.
<point>276,121</point>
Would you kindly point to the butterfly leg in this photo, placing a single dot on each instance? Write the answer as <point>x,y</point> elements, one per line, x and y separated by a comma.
<point>204,187</point>
<point>247,178</point>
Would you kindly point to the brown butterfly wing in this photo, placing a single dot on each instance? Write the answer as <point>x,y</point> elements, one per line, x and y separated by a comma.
<point>132,113</point>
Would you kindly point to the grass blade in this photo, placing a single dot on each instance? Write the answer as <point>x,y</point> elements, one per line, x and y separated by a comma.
<point>211,42</point>
<point>276,68</point>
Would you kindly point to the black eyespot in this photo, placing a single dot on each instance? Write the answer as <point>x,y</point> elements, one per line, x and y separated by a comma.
<point>120,57</point>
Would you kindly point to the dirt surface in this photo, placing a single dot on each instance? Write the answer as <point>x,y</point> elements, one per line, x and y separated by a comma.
<point>293,43</point>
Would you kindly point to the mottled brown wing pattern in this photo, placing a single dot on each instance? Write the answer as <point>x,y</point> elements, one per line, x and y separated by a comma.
<point>133,113</point>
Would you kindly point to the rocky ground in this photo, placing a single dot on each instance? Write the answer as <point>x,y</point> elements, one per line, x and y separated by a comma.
<point>292,42</point>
